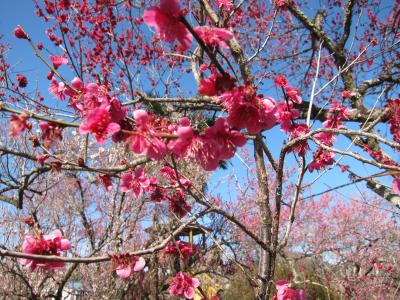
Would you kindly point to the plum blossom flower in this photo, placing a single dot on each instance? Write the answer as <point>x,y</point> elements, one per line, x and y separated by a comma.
<point>213,37</point>
<point>44,245</point>
<point>346,94</point>
<point>57,89</point>
<point>18,124</point>
<point>98,122</point>
<point>185,133</point>
<point>293,93</point>
<point>225,3</point>
<point>144,140</point>
<point>179,248</point>
<point>284,292</point>
<point>165,18</point>
<point>299,130</point>
<point>128,264</point>
<point>136,182</point>
<point>58,60</point>
<point>50,133</point>
<point>248,110</point>
<point>322,158</point>
<point>106,181</point>
<point>41,158</point>
<point>177,203</point>
<point>183,285</point>
<point>280,81</point>
<point>224,139</point>
<point>216,84</point>
<point>285,115</point>
<point>22,81</point>
<point>19,33</point>
<point>337,113</point>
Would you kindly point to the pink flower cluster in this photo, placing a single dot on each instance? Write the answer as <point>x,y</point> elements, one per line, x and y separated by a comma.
<point>216,84</point>
<point>284,292</point>
<point>248,110</point>
<point>44,245</point>
<point>127,264</point>
<point>214,37</point>
<point>393,107</point>
<point>183,285</point>
<point>179,248</point>
<point>175,192</point>
<point>50,133</point>
<point>144,140</point>
<point>165,18</point>
<point>137,183</point>
<point>217,143</point>
<point>18,124</point>
<point>322,158</point>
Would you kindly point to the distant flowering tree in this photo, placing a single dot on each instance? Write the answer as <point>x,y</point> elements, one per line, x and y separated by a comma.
<point>144,100</point>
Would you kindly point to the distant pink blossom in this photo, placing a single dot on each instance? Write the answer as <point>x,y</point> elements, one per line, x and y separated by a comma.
<point>284,292</point>
<point>183,285</point>
<point>213,37</point>
<point>225,3</point>
<point>41,158</point>
<point>50,244</point>
<point>346,94</point>
<point>281,3</point>
<point>165,18</point>
<point>396,185</point>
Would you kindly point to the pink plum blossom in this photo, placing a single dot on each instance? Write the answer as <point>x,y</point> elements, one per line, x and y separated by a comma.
<point>129,264</point>
<point>58,60</point>
<point>18,124</point>
<point>98,122</point>
<point>293,93</point>
<point>165,18</point>
<point>136,182</point>
<point>179,248</point>
<point>284,292</point>
<point>50,133</point>
<point>44,245</point>
<point>144,139</point>
<point>183,285</point>
<point>213,37</point>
